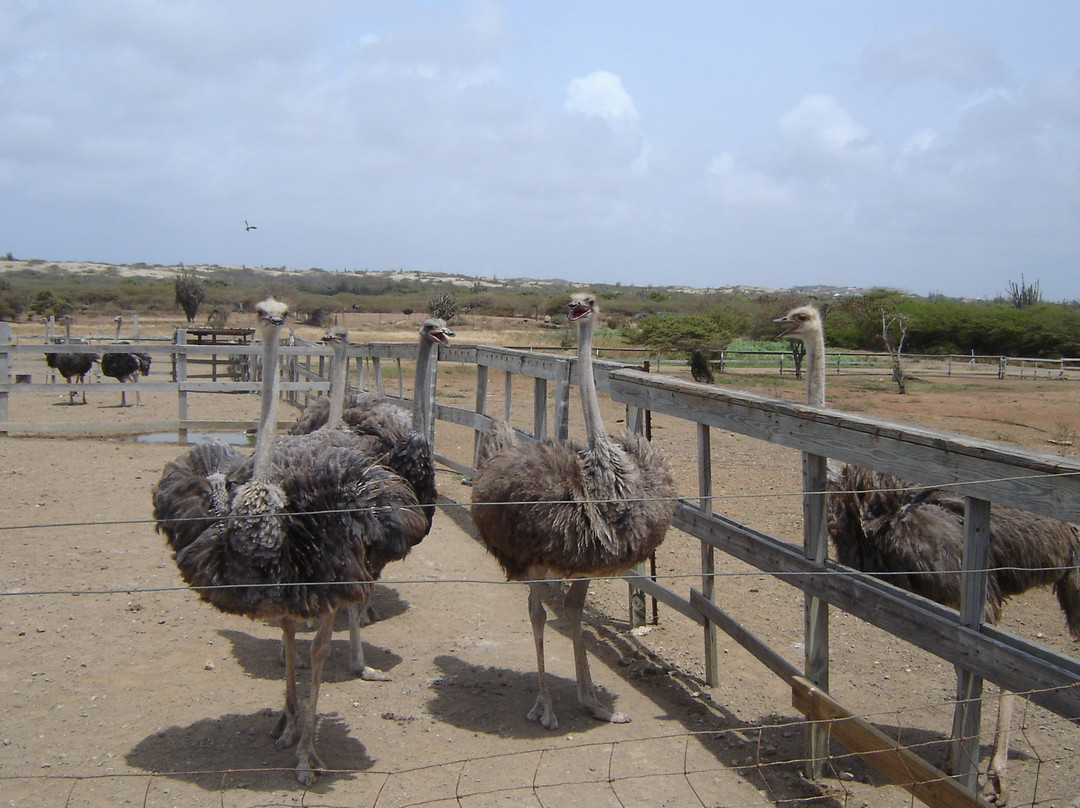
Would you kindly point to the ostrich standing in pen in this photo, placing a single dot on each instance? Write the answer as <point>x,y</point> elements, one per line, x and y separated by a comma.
<point>386,432</point>
<point>71,365</point>
<point>914,537</point>
<point>576,508</point>
<point>294,534</point>
<point>125,367</point>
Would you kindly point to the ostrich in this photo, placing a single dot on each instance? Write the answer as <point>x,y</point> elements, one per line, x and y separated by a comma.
<point>292,533</point>
<point>386,432</point>
<point>577,508</point>
<point>125,367</point>
<point>71,365</point>
<point>914,537</point>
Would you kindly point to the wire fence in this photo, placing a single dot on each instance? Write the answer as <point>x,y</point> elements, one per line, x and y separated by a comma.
<point>738,755</point>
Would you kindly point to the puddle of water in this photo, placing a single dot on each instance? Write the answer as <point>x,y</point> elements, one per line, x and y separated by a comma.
<point>233,438</point>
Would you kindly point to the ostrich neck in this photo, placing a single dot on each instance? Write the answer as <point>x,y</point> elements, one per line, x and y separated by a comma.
<point>67,332</point>
<point>594,426</point>
<point>815,370</point>
<point>422,403</point>
<point>264,440</point>
<point>337,386</point>
<point>117,339</point>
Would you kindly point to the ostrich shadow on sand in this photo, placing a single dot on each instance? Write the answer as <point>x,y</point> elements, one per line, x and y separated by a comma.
<point>237,752</point>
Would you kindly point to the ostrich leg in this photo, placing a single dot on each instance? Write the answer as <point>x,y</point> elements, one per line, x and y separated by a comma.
<point>356,648</point>
<point>575,608</point>
<point>285,728</point>
<point>542,709</point>
<point>308,762</point>
<point>995,789</point>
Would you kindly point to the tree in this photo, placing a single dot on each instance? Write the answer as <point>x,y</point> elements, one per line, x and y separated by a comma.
<point>1024,295</point>
<point>443,306</point>
<point>888,320</point>
<point>798,353</point>
<point>190,293</point>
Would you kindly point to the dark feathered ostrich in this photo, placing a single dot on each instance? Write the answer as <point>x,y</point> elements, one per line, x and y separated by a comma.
<point>913,537</point>
<point>125,367</point>
<point>386,432</point>
<point>293,533</point>
<point>577,508</point>
<point>71,365</point>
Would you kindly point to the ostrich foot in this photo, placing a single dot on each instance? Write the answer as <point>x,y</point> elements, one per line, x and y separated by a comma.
<point>369,674</point>
<point>602,713</point>
<point>308,765</point>
<point>285,730</point>
<point>544,712</point>
<point>994,790</point>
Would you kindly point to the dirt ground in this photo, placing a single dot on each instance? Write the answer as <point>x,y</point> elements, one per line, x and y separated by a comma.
<point>121,688</point>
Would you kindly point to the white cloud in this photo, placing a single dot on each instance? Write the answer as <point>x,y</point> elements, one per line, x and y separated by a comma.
<point>601,95</point>
<point>820,123</point>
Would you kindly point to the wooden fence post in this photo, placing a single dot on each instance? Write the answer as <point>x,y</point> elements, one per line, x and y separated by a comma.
<point>816,611</point>
<point>708,553</point>
<point>181,378</point>
<point>5,373</point>
<point>967,716</point>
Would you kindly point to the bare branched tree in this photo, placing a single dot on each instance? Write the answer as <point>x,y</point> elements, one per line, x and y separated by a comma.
<point>798,353</point>
<point>900,321</point>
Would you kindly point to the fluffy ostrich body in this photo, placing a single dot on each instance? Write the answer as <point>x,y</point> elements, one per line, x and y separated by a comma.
<point>913,537</point>
<point>384,429</point>
<point>71,365</point>
<point>125,367</point>
<point>292,533</point>
<point>576,508</point>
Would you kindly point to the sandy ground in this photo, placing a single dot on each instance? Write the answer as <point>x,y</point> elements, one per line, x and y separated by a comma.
<point>122,688</point>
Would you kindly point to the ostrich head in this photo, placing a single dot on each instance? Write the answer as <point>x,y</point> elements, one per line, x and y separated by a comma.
<point>436,330</point>
<point>335,335</point>
<point>582,305</point>
<point>803,323</point>
<point>270,316</point>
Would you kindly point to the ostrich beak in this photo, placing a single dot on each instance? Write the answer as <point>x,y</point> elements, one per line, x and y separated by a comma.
<point>577,312</point>
<point>441,334</point>
<point>791,329</point>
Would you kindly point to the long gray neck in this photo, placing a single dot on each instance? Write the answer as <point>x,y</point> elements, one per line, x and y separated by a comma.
<point>67,331</point>
<point>118,324</point>
<point>338,373</point>
<point>264,440</point>
<point>815,369</point>
<point>422,392</point>
<point>590,406</point>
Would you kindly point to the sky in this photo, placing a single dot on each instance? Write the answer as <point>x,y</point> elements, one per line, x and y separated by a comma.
<point>925,145</point>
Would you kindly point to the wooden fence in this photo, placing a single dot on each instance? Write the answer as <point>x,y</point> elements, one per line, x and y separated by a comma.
<point>982,471</point>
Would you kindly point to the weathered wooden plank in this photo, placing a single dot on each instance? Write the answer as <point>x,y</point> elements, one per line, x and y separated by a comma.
<point>738,632</point>
<point>537,365</point>
<point>1036,482</point>
<point>1049,679</point>
<point>925,782</point>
